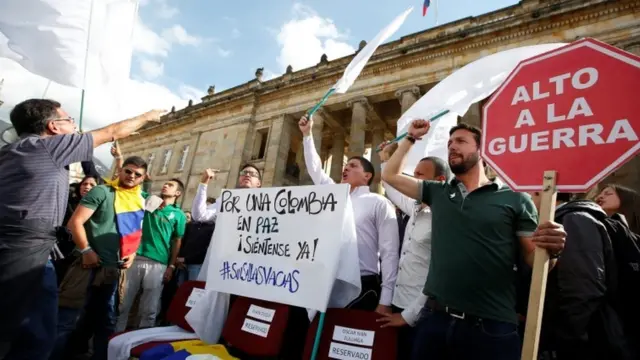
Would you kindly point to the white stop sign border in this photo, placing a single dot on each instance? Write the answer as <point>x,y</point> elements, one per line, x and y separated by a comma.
<point>594,45</point>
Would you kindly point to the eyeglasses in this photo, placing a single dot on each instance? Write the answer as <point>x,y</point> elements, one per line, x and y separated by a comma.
<point>131,172</point>
<point>69,119</point>
<point>249,173</point>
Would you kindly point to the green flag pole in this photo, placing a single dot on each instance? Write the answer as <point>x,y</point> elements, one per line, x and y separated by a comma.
<point>432,119</point>
<point>321,102</point>
<point>316,342</point>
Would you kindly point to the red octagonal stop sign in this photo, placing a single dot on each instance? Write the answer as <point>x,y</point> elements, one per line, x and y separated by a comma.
<point>575,110</point>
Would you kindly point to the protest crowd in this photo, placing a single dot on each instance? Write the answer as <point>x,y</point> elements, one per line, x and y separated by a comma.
<point>444,258</point>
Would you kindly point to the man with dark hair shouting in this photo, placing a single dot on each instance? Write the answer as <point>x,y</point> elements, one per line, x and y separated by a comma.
<point>478,228</point>
<point>376,225</point>
<point>34,189</point>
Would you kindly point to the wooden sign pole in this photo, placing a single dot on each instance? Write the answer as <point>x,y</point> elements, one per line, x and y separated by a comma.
<point>540,272</point>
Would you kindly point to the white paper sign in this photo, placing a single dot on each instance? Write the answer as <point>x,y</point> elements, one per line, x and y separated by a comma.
<point>353,336</point>
<point>260,313</point>
<point>348,352</point>
<point>279,244</point>
<point>196,294</point>
<point>256,327</point>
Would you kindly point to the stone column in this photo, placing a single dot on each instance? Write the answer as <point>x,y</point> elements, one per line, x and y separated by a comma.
<point>337,156</point>
<point>407,97</point>
<point>358,126</point>
<point>278,151</point>
<point>376,139</point>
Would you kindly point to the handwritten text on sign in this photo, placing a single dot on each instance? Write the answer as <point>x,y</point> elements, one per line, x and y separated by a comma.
<point>279,244</point>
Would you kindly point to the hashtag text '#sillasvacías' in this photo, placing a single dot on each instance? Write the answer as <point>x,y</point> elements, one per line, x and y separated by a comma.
<point>260,275</point>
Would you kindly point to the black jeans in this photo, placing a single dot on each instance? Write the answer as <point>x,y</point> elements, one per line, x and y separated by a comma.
<point>440,336</point>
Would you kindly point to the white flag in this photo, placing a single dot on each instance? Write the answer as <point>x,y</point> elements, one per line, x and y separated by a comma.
<point>50,37</point>
<point>456,93</point>
<point>358,63</point>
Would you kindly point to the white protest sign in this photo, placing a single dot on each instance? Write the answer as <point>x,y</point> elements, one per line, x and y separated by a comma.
<point>353,336</point>
<point>255,327</point>
<point>196,294</point>
<point>279,244</point>
<point>348,352</point>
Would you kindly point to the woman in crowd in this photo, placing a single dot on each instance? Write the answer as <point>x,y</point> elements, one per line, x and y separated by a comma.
<point>616,199</point>
<point>77,191</point>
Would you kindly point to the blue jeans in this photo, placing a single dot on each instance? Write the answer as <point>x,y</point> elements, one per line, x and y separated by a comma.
<point>191,273</point>
<point>441,336</point>
<point>37,333</point>
<point>98,317</point>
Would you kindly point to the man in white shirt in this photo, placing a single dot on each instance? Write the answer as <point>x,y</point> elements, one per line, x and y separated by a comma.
<point>249,178</point>
<point>415,255</point>
<point>376,225</point>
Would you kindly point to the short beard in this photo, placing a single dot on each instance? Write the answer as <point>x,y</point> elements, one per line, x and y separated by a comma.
<point>466,164</point>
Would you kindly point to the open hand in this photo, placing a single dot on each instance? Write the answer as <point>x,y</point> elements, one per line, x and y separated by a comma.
<point>154,115</point>
<point>393,320</point>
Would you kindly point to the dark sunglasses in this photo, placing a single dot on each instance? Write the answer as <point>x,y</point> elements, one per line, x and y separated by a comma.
<point>131,172</point>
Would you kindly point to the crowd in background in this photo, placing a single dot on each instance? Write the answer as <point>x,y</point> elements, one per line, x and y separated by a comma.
<point>445,255</point>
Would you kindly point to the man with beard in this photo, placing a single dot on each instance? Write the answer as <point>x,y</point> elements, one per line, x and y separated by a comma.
<point>478,228</point>
<point>376,225</point>
<point>162,231</point>
<point>34,188</point>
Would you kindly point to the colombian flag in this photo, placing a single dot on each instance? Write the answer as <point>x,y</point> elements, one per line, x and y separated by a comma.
<point>425,7</point>
<point>129,208</point>
<point>181,350</point>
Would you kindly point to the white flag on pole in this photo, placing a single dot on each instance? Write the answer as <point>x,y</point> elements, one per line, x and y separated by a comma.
<point>456,93</point>
<point>50,37</point>
<point>359,61</point>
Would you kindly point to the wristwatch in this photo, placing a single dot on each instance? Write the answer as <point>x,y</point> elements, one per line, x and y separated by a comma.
<point>411,139</point>
<point>173,267</point>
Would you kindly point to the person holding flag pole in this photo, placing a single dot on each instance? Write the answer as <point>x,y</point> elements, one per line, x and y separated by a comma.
<point>479,227</point>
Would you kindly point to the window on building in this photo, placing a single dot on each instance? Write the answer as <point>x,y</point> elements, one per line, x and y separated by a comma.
<point>260,144</point>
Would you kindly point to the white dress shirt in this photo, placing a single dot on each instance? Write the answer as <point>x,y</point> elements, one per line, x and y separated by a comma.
<point>199,209</point>
<point>376,226</point>
<point>415,255</point>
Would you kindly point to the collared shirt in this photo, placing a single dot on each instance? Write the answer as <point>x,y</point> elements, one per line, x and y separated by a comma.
<point>376,226</point>
<point>475,244</point>
<point>415,255</point>
<point>35,175</point>
<point>199,209</point>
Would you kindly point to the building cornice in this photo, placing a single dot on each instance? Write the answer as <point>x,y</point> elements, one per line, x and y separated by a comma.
<point>504,26</point>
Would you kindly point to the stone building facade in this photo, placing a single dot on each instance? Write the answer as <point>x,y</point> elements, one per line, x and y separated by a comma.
<point>256,122</point>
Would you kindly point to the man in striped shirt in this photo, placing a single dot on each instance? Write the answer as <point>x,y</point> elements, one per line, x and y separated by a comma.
<point>34,188</point>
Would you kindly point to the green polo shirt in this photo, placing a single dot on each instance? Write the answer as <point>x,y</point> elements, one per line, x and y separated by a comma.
<point>475,241</point>
<point>158,229</point>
